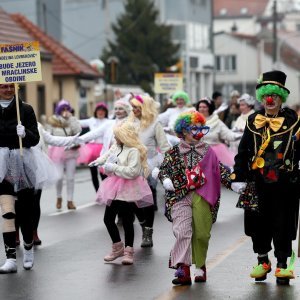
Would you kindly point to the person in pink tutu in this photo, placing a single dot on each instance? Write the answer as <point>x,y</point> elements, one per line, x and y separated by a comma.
<point>219,133</point>
<point>125,187</point>
<point>63,123</point>
<point>91,150</point>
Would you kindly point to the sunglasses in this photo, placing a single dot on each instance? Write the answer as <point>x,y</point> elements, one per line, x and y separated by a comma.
<point>197,129</point>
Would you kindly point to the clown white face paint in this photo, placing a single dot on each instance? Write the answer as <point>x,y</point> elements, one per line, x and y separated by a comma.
<point>272,103</point>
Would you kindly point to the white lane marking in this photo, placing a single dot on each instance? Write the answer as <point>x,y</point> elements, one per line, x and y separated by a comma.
<point>71,210</point>
<point>218,258</point>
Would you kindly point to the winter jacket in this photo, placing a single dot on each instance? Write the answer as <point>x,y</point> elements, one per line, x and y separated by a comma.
<point>8,124</point>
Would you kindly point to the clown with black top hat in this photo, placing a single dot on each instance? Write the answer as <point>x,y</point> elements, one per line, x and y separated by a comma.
<point>267,160</point>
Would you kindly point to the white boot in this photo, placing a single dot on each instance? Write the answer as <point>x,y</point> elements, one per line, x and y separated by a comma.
<point>10,266</point>
<point>28,259</point>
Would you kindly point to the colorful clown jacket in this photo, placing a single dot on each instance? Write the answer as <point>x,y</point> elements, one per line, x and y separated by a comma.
<point>183,156</point>
<point>279,155</point>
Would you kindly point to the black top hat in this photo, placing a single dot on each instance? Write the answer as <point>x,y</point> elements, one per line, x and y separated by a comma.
<point>273,77</point>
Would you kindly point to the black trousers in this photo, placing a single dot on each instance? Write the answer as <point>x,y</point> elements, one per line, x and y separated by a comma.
<point>277,219</point>
<point>125,211</point>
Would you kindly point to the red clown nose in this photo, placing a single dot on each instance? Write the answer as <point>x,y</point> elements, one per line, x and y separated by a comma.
<point>269,100</point>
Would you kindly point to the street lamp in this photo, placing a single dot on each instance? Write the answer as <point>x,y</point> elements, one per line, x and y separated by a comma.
<point>113,61</point>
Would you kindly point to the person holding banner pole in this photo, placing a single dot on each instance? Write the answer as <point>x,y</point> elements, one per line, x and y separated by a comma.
<point>19,174</point>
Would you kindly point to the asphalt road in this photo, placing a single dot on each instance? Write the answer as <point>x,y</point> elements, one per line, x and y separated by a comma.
<point>69,264</point>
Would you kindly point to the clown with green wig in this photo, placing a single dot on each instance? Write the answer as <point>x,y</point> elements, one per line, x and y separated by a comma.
<point>182,103</point>
<point>191,176</point>
<point>267,166</point>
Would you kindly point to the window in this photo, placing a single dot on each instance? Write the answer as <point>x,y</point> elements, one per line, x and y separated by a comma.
<point>226,63</point>
<point>194,62</point>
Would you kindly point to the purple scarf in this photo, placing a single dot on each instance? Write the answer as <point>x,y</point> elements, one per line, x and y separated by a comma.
<point>211,190</point>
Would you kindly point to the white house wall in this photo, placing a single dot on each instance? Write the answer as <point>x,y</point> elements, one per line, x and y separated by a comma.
<point>251,62</point>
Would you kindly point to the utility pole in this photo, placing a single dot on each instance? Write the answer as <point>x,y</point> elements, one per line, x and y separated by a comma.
<point>275,33</point>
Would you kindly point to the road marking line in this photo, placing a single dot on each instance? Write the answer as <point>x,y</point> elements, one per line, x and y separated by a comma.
<point>71,210</point>
<point>211,264</point>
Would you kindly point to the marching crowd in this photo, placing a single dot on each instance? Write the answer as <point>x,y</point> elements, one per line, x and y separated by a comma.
<point>250,145</point>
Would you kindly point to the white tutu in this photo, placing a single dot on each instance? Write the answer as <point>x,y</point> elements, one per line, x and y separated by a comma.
<point>33,170</point>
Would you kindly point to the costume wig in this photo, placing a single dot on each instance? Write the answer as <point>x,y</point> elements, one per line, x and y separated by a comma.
<point>181,94</point>
<point>270,89</point>
<point>149,109</point>
<point>128,136</point>
<point>61,106</point>
<point>187,119</point>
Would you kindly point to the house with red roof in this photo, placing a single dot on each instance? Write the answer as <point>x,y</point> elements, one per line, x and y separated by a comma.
<point>240,15</point>
<point>65,74</point>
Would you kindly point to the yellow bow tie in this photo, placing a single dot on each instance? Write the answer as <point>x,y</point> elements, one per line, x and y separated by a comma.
<point>274,123</point>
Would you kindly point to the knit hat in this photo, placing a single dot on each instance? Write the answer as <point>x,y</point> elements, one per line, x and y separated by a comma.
<point>249,100</point>
<point>181,94</point>
<point>61,106</point>
<point>103,106</point>
<point>124,104</point>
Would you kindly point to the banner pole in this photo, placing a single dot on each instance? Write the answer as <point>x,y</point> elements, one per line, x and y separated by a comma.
<point>18,115</point>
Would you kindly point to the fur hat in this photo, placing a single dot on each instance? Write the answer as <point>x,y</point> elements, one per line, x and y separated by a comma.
<point>124,104</point>
<point>249,100</point>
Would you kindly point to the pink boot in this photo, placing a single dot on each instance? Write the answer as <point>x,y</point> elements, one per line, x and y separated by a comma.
<point>117,251</point>
<point>128,256</point>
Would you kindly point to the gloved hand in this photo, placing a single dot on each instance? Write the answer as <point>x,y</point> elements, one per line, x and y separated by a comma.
<point>77,140</point>
<point>238,135</point>
<point>109,167</point>
<point>21,131</point>
<point>168,185</point>
<point>238,187</point>
<point>94,163</point>
<point>155,172</point>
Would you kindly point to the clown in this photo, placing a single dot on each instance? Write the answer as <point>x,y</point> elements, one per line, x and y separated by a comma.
<point>181,100</point>
<point>190,174</point>
<point>267,159</point>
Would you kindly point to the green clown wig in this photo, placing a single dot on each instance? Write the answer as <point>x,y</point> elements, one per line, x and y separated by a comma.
<point>181,94</point>
<point>270,89</point>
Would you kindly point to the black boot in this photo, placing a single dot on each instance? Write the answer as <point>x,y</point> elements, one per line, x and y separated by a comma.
<point>10,265</point>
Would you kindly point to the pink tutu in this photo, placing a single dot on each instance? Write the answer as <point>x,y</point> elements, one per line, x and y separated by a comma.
<point>131,190</point>
<point>88,153</point>
<point>224,155</point>
<point>60,154</point>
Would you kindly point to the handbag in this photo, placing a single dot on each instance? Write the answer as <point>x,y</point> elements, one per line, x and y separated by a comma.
<point>195,177</point>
